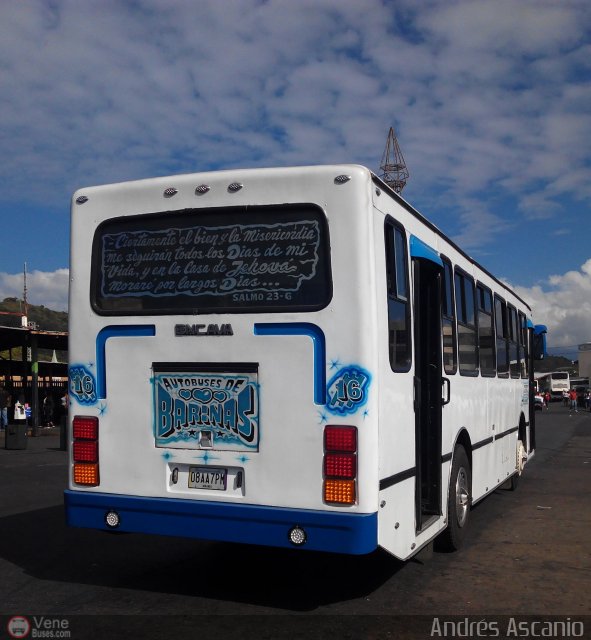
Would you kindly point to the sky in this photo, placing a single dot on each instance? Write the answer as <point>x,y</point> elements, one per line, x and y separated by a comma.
<point>491,103</point>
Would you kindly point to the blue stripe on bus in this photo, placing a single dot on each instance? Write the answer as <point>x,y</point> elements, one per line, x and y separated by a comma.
<point>115,331</point>
<point>337,532</point>
<point>419,249</point>
<point>319,342</point>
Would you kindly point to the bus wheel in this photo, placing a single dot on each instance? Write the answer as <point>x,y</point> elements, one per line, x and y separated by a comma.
<point>513,481</point>
<point>459,501</point>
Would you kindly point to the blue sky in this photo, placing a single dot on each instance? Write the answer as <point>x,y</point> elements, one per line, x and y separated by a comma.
<point>491,102</point>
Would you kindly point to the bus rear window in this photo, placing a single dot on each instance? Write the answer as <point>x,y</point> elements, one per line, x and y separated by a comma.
<point>222,260</point>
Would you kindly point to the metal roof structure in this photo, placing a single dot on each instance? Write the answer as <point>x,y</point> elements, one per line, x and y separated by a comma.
<point>12,337</point>
<point>27,370</point>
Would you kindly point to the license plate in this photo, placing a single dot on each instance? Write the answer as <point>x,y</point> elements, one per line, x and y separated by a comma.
<point>207,478</point>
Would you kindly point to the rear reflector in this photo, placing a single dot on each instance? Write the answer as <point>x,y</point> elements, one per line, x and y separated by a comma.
<point>339,491</point>
<point>340,439</point>
<point>85,427</point>
<point>85,451</point>
<point>87,474</point>
<point>340,465</point>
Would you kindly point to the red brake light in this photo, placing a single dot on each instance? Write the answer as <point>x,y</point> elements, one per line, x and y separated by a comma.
<point>340,465</point>
<point>85,427</point>
<point>85,451</point>
<point>340,439</point>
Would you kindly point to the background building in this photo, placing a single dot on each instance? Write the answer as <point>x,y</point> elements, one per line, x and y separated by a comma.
<point>585,360</point>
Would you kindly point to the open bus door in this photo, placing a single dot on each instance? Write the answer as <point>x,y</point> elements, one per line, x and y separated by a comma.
<point>427,270</point>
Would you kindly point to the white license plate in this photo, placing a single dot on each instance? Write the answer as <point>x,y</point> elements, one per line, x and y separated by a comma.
<point>207,478</point>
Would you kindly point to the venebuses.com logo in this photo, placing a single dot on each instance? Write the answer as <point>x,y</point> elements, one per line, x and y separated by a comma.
<point>38,627</point>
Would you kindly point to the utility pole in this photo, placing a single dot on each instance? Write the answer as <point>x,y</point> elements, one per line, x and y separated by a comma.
<point>394,171</point>
<point>25,304</point>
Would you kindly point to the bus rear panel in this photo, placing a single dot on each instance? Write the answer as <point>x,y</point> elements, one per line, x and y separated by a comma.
<point>216,392</point>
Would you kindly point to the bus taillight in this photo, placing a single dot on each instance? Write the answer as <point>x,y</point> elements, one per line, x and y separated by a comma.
<point>85,450</point>
<point>85,428</point>
<point>339,491</point>
<point>340,464</point>
<point>342,439</point>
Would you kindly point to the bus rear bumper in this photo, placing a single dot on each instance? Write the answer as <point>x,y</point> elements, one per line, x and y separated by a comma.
<point>336,532</point>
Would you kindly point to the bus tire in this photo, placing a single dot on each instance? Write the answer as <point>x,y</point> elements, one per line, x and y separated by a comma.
<point>459,501</point>
<point>513,482</point>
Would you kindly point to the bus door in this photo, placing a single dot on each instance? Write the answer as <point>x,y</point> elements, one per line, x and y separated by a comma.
<point>427,273</point>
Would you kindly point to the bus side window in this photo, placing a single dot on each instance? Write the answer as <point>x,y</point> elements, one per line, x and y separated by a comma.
<point>486,335</point>
<point>448,320</point>
<point>466,315</point>
<point>502,333</point>
<point>514,364</point>
<point>399,342</point>
<point>523,347</point>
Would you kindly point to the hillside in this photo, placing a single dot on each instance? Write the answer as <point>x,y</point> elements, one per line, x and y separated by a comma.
<point>555,363</point>
<point>45,319</point>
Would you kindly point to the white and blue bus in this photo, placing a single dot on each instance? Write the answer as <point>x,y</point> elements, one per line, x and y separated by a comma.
<point>556,384</point>
<point>291,357</point>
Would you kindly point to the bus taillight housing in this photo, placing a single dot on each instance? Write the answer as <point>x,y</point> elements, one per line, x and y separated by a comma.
<point>85,450</point>
<point>340,464</point>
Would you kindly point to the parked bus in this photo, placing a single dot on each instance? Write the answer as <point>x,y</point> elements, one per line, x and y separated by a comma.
<point>556,383</point>
<point>292,357</point>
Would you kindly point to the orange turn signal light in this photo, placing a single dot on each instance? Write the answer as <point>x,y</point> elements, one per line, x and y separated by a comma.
<point>86,474</point>
<point>339,491</point>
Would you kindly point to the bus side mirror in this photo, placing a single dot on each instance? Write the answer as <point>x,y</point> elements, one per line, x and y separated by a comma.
<point>539,342</point>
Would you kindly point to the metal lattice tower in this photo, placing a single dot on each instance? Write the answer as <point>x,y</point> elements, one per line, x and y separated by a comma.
<point>394,171</point>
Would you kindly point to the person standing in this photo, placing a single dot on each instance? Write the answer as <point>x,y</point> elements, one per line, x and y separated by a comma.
<point>4,399</point>
<point>573,400</point>
<point>48,408</point>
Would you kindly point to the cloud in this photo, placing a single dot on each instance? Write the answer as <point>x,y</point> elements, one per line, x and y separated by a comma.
<point>563,304</point>
<point>43,288</point>
<point>487,98</point>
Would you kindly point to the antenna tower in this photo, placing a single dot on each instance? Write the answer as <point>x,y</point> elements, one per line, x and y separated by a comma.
<point>25,304</point>
<point>394,171</point>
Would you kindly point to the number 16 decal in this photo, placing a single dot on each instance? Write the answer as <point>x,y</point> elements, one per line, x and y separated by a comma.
<point>347,390</point>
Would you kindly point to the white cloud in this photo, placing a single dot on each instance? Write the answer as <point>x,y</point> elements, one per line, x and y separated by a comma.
<point>43,288</point>
<point>563,304</point>
<point>103,93</point>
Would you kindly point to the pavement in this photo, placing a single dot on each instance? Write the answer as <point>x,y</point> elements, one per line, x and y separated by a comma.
<point>527,554</point>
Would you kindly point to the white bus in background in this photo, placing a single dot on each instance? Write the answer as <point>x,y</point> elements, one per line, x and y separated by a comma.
<point>291,357</point>
<point>556,383</point>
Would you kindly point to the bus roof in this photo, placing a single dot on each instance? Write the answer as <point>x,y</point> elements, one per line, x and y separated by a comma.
<point>434,228</point>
